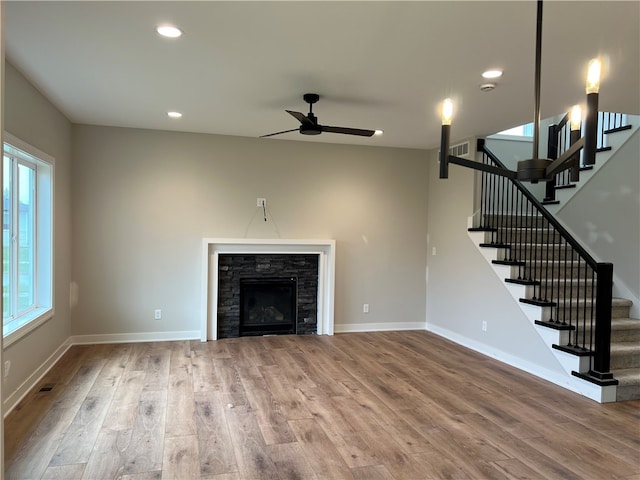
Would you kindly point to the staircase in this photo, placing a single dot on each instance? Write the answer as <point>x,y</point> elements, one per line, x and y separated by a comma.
<point>563,291</point>
<point>520,250</point>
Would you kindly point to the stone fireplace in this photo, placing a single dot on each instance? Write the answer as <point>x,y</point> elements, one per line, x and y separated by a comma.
<point>310,264</point>
<point>267,294</point>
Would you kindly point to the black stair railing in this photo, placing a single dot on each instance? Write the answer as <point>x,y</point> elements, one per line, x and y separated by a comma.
<point>559,141</point>
<point>559,272</point>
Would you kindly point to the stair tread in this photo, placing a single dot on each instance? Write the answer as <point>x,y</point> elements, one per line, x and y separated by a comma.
<point>495,245</point>
<point>617,129</point>
<point>627,376</point>
<point>538,302</point>
<point>522,281</point>
<point>516,263</point>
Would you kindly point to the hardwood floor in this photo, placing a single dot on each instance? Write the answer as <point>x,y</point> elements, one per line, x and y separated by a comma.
<point>393,405</point>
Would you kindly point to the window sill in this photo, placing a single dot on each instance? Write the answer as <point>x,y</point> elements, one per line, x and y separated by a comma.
<point>27,324</point>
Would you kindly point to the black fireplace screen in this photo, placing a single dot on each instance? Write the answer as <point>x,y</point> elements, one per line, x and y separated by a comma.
<point>268,306</point>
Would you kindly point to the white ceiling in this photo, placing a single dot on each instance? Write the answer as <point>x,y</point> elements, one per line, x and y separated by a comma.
<point>385,65</point>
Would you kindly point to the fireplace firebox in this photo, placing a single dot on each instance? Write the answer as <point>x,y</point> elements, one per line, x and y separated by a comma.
<point>268,306</point>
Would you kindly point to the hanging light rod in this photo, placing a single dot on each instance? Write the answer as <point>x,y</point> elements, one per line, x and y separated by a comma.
<point>536,169</point>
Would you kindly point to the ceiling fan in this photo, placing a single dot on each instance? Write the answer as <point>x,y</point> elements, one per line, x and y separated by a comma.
<point>309,123</point>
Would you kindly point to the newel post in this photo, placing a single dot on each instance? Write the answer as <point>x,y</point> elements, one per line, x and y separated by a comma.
<point>602,357</point>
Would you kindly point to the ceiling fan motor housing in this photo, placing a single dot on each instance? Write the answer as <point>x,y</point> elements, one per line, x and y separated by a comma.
<point>310,129</point>
<point>532,170</point>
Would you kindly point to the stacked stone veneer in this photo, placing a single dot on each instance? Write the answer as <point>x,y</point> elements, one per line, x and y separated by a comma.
<point>233,267</point>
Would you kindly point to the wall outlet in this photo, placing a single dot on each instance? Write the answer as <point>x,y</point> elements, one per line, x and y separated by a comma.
<point>7,367</point>
<point>365,308</point>
<point>261,202</point>
<point>157,314</point>
<point>433,251</point>
<point>484,325</point>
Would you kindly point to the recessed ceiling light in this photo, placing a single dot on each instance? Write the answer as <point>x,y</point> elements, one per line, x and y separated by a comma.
<point>169,31</point>
<point>378,132</point>
<point>174,114</point>
<point>493,73</point>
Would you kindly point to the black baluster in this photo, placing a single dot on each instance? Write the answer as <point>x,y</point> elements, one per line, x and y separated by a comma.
<point>546,269</point>
<point>554,276</point>
<point>513,220</point>
<point>593,309</point>
<point>564,290</point>
<point>571,291</point>
<point>495,207</point>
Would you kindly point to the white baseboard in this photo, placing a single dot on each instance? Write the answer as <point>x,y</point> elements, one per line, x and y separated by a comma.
<point>568,381</point>
<point>134,337</point>
<point>378,327</point>
<point>19,393</point>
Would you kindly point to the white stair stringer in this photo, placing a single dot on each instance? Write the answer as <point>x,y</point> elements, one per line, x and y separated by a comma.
<point>550,336</point>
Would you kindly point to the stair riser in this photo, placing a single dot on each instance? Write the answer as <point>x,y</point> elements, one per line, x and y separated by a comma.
<point>627,392</point>
<point>619,336</point>
<point>624,361</point>
<point>554,271</point>
<point>526,236</point>
<point>555,292</point>
<point>625,335</point>
<point>515,221</point>
<point>527,253</point>
<point>570,315</point>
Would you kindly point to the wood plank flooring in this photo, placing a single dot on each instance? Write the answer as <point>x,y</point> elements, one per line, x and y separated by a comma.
<point>392,405</point>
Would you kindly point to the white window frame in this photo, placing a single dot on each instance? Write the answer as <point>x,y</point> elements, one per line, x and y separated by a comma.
<point>43,308</point>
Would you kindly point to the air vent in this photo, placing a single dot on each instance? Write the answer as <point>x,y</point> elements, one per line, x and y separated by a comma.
<point>459,150</point>
<point>47,387</point>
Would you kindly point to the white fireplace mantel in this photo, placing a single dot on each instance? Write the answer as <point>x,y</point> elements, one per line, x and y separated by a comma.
<point>213,247</point>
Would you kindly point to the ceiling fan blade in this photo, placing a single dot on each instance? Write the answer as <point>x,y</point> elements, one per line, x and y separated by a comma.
<point>278,133</point>
<point>302,118</point>
<point>348,131</point>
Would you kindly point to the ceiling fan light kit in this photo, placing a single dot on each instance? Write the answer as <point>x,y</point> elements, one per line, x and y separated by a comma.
<point>537,169</point>
<point>309,123</point>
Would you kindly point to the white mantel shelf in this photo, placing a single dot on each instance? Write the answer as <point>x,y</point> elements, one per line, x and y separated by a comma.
<point>213,247</point>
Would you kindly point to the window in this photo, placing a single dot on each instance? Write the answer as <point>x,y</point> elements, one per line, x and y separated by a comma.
<point>27,235</point>
<point>521,131</point>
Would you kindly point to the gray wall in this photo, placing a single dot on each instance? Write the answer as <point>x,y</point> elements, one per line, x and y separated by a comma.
<point>143,200</point>
<point>605,214</point>
<point>33,119</point>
